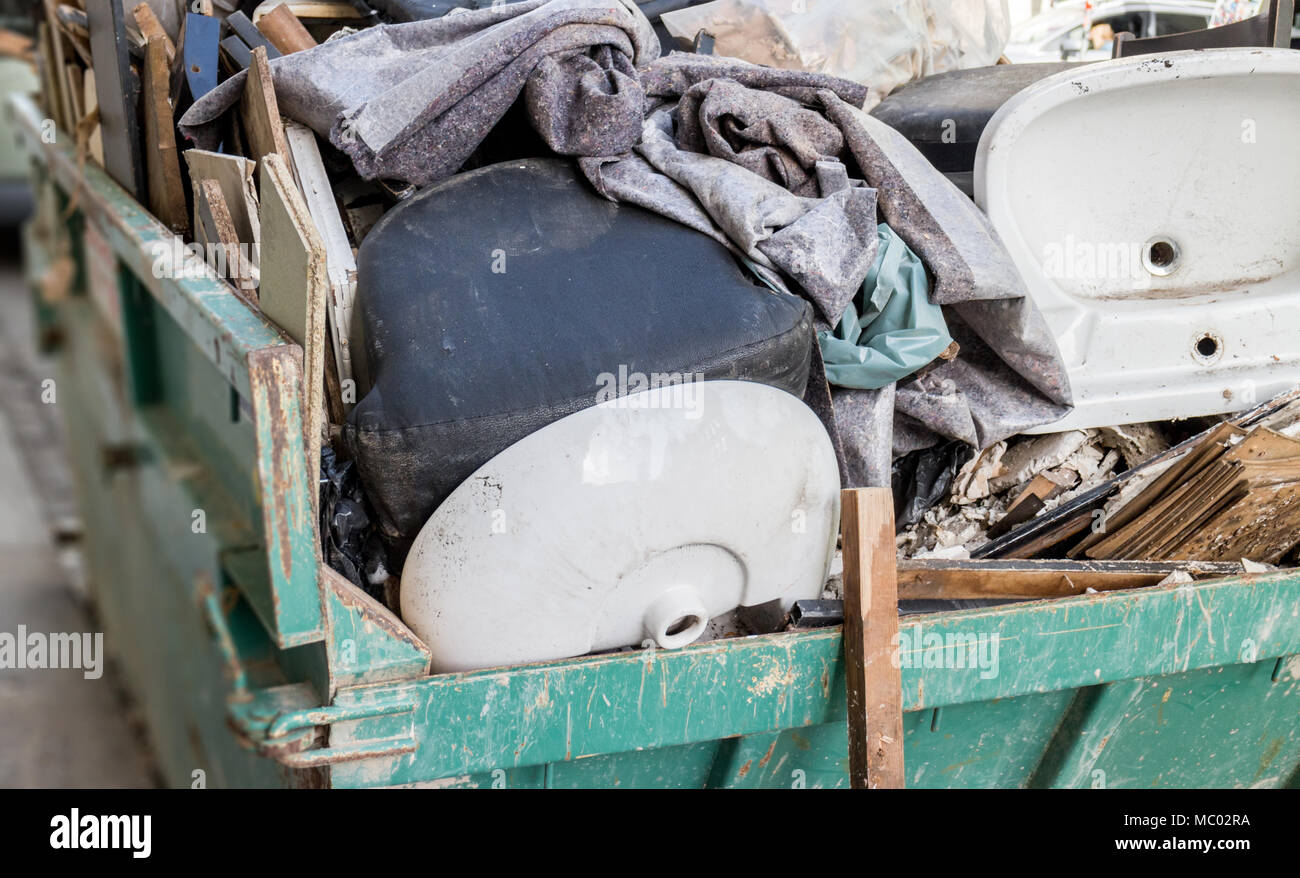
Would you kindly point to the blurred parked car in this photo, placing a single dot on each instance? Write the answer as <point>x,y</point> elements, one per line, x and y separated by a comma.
<point>1072,32</point>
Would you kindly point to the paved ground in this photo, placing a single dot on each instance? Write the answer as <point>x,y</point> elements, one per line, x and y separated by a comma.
<point>57,728</point>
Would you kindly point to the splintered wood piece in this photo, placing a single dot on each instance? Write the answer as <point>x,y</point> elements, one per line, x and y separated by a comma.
<point>285,31</point>
<point>90,104</point>
<point>261,114</point>
<point>214,229</point>
<point>872,679</point>
<point>166,189</point>
<point>295,286</point>
<point>319,196</point>
<point>151,28</point>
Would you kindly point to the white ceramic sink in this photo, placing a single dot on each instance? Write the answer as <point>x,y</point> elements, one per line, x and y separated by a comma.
<point>1153,206</point>
<point>631,521</point>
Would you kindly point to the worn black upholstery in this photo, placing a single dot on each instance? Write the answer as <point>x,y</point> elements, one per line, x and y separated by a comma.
<point>457,360</point>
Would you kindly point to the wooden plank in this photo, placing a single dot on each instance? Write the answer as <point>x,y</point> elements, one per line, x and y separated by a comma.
<point>341,263</point>
<point>66,117</point>
<point>75,81</point>
<point>261,113</point>
<point>1035,579</point>
<point>151,28</point>
<point>285,31</point>
<point>223,327</point>
<point>327,9</point>
<point>119,97</point>
<point>872,678</point>
<point>166,188</point>
<point>295,286</point>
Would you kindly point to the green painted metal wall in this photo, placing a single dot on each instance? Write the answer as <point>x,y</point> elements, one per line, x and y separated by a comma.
<point>246,662</point>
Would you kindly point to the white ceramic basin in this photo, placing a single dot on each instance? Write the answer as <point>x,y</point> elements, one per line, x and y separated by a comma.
<point>1153,206</point>
<point>631,521</point>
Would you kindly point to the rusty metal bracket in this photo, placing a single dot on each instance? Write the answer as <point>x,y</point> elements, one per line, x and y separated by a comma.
<point>281,724</point>
<point>285,723</point>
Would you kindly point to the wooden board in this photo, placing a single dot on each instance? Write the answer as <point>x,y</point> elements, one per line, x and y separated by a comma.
<point>295,286</point>
<point>151,28</point>
<point>236,175</point>
<point>166,188</point>
<point>315,186</point>
<point>1034,579</point>
<point>66,115</point>
<point>871,675</point>
<point>261,114</point>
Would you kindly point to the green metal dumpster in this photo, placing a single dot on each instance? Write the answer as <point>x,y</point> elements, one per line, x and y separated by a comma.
<point>256,667</point>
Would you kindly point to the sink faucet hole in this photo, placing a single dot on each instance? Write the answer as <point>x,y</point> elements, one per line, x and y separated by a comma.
<point>1160,256</point>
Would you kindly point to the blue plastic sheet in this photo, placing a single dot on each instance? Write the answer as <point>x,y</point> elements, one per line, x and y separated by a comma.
<point>890,329</point>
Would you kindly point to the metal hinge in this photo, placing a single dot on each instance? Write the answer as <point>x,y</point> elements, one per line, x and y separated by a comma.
<point>286,723</point>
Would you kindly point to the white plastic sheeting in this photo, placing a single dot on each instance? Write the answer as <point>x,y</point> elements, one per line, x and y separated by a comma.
<point>879,43</point>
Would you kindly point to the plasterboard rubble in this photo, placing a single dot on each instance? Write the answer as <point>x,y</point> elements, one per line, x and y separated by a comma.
<point>991,482</point>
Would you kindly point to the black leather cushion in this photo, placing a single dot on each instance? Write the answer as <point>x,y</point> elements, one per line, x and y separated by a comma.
<point>464,360</point>
<point>919,110</point>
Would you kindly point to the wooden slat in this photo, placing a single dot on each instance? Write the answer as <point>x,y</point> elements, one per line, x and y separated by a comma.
<point>151,28</point>
<point>222,326</point>
<point>340,262</point>
<point>261,113</point>
<point>1034,579</point>
<point>166,189</point>
<point>872,679</point>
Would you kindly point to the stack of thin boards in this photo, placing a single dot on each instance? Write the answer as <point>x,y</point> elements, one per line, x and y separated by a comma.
<point>1234,495</point>
<point>146,61</point>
